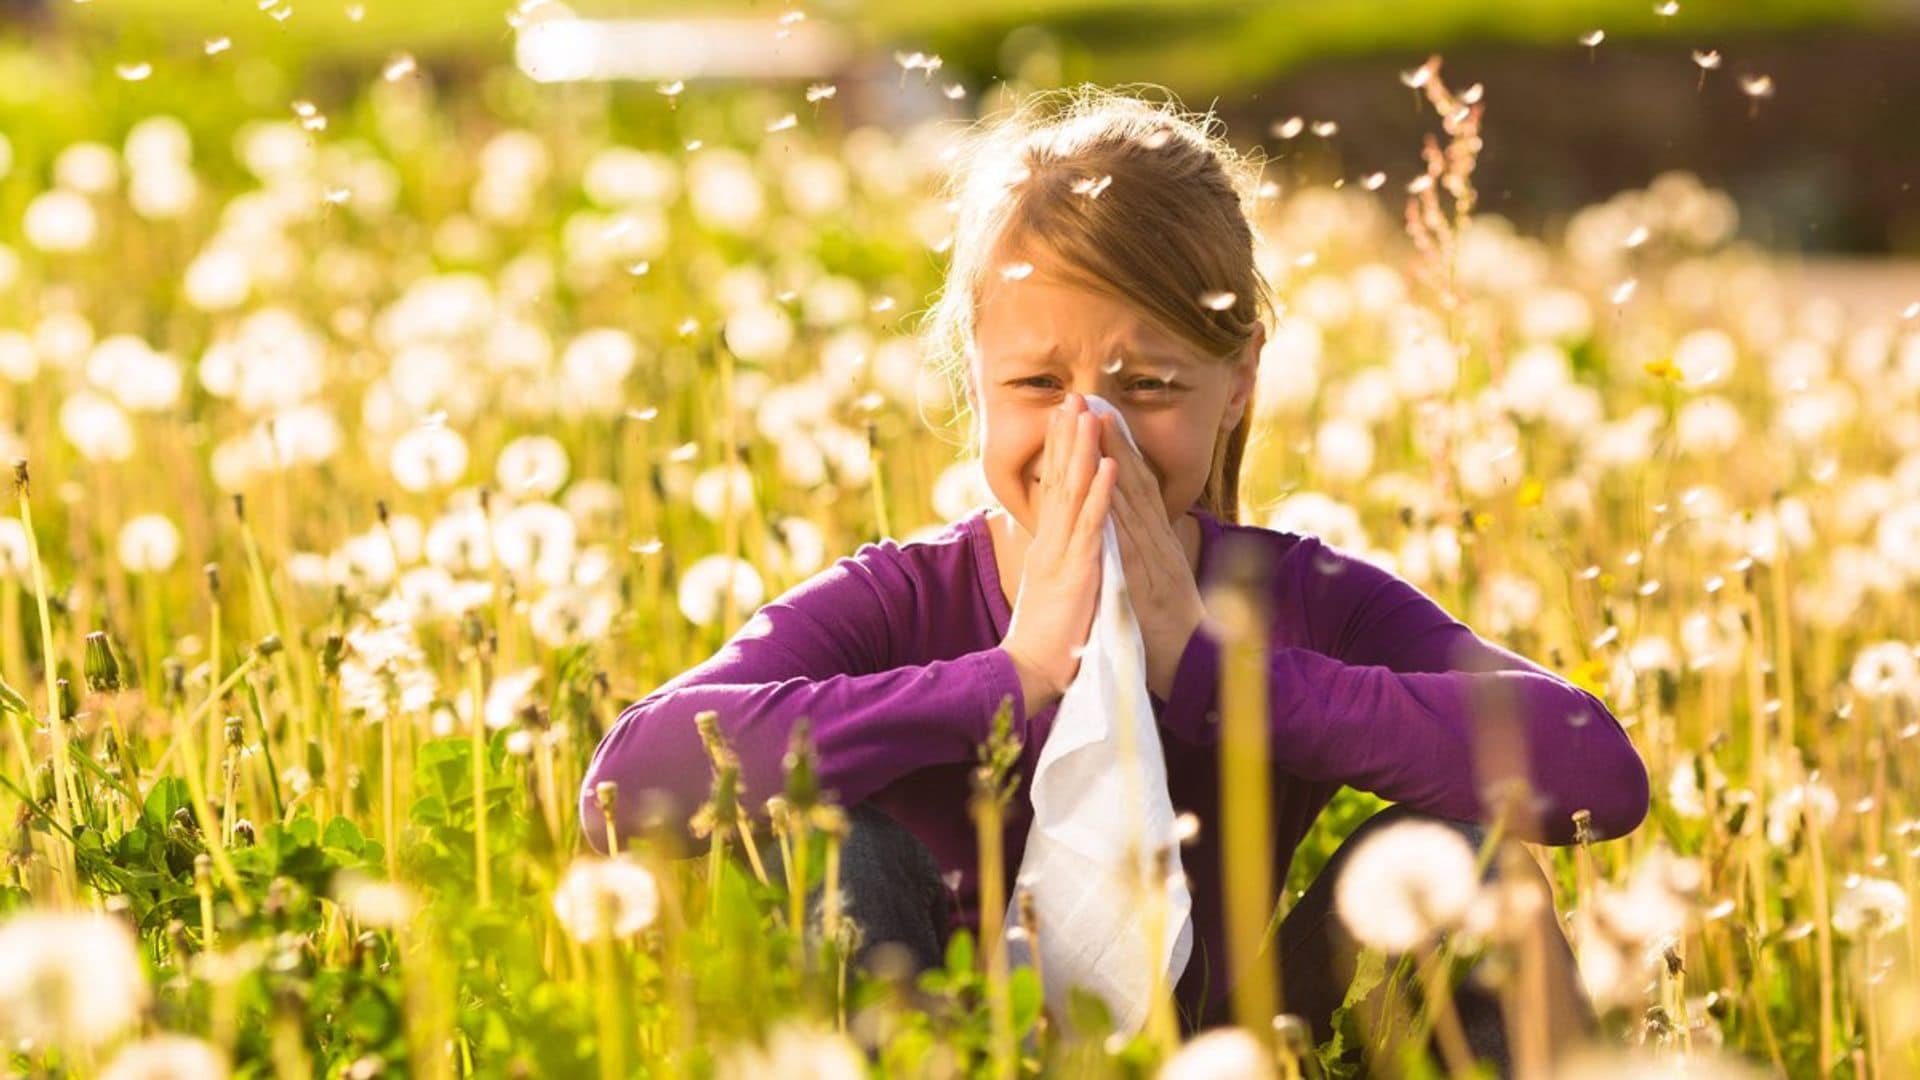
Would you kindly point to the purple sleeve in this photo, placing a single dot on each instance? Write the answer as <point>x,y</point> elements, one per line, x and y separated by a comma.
<point>822,651</point>
<point>1391,692</point>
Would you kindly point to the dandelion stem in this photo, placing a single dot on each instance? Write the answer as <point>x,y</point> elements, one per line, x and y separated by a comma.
<point>482,864</point>
<point>50,665</point>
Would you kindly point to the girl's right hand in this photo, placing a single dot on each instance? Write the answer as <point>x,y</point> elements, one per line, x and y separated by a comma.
<point>1060,580</point>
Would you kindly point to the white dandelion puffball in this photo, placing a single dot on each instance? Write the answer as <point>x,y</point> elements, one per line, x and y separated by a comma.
<point>598,360</point>
<point>798,1050</point>
<point>1220,1054</point>
<point>758,332</point>
<point>218,279</point>
<point>705,584</point>
<point>960,489</point>
<point>68,979</point>
<point>1706,358</point>
<point>1870,906</point>
<point>532,465</point>
<point>59,221</point>
<point>149,544</point>
<point>1343,450</point>
<point>601,896</point>
<point>128,368</point>
<point>373,902</point>
<point>426,458</point>
<point>168,1057</point>
<point>96,426</point>
<point>1787,812</point>
<point>1404,883</point>
<point>711,494</point>
<point>1886,669</point>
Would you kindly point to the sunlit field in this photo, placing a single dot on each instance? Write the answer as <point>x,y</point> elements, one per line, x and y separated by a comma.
<point>371,453</point>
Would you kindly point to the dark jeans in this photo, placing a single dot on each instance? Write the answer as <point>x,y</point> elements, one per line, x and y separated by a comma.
<point>890,885</point>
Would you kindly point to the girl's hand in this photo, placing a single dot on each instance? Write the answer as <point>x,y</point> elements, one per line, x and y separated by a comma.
<point>1060,580</point>
<point>1166,599</point>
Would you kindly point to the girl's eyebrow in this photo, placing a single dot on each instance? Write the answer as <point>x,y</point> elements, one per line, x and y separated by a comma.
<point>1134,355</point>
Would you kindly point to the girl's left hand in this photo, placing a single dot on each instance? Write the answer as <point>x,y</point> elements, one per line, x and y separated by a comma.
<point>1166,599</point>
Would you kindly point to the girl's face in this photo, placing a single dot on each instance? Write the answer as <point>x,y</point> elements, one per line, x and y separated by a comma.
<point>1040,337</point>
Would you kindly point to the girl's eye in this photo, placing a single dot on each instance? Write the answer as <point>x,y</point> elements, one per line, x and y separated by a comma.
<point>1147,385</point>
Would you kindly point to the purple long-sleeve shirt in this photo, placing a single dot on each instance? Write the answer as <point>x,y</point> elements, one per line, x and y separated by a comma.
<point>893,655</point>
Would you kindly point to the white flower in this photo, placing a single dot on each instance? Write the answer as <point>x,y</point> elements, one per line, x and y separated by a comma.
<point>428,457</point>
<point>569,614</point>
<point>149,544</point>
<point>60,221</point>
<point>1785,812</point>
<point>597,361</point>
<point>725,193</point>
<point>795,1050</point>
<point>710,491</point>
<point>374,902</point>
<point>601,896</point>
<point>705,584</point>
<point>536,540</point>
<point>1886,669</point>
<point>68,979</point>
<point>218,279</point>
<point>129,369</point>
<point>1654,904</point>
<point>507,694</point>
<point>758,332</point>
<point>532,465</point>
<point>1404,883</point>
<point>96,427</point>
<point>1220,1054</point>
<point>168,1057</point>
<point>1343,450</point>
<point>1870,906</point>
<point>1706,358</point>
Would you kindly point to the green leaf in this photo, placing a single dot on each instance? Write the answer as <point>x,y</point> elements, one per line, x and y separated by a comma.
<point>167,796</point>
<point>960,952</point>
<point>343,833</point>
<point>1027,997</point>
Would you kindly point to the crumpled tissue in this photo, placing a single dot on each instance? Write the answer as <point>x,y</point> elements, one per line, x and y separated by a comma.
<point>1099,787</point>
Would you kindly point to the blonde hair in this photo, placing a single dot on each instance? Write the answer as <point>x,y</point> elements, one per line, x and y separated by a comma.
<point>1139,199</point>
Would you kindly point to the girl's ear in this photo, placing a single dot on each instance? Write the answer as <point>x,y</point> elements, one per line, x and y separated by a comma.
<point>1245,371</point>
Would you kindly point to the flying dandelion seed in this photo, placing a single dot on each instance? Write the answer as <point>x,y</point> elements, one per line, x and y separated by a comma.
<point>1016,271</point>
<point>1091,186</point>
<point>399,67</point>
<point>281,14</point>
<point>1419,185</point>
<point>1217,301</point>
<point>1290,128</point>
<point>310,116</point>
<point>881,306</point>
<point>216,46</point>
<point>1374,181</point>
<point>819,92</point>
<point>1472,94</point>
<point>954,91</point>
<point>1592,38</point>
<point>1416,78</point>
<point>638,269</point>
<point>1668,9</point>
<point>1756,87</point>
<point>356,12</point>
<point>135,72</point>
<point>336,196</point>
<point>783,124</point>
<point>1705,61</point>
<point>1623,292</point>
<point>1326,129</point>
<point>1113,366</point>
<point>1911,311</point>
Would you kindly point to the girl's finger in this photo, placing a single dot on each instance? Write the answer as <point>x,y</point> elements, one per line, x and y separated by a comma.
<point>1093,513</point>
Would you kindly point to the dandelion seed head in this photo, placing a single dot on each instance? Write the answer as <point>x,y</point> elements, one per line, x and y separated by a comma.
<point>601,897</point>
<point>1404,883</point>
<point>168,1057</point>
<point>72,980</point>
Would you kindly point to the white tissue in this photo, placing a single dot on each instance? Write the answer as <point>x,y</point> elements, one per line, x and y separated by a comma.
<point>1099,789</point>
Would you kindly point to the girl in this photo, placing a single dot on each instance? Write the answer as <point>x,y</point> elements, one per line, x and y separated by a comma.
<point>1103,247</point>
